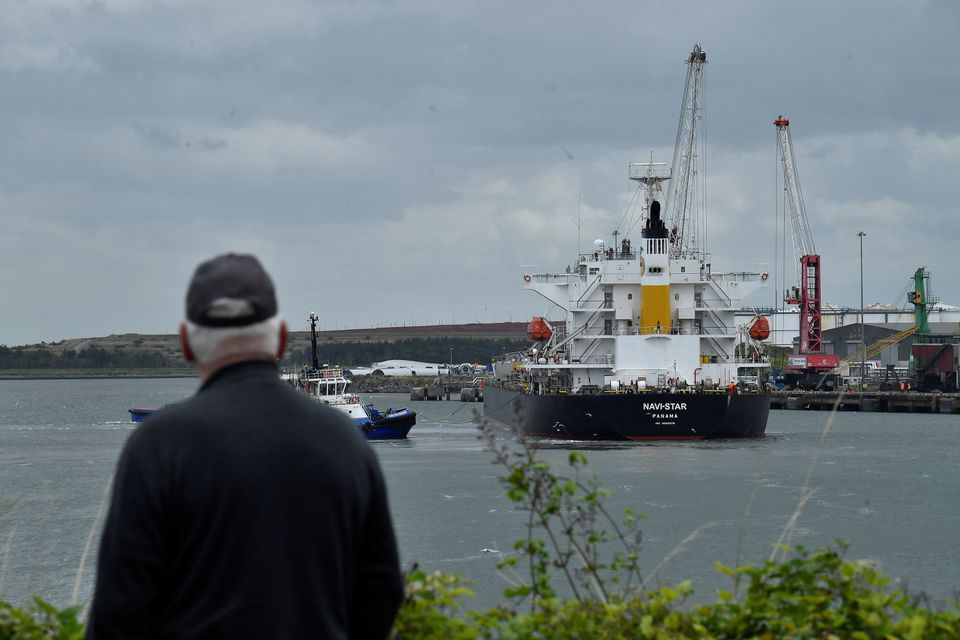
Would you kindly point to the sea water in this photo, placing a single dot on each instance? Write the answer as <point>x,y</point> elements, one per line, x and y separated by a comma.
<point>887,483</point>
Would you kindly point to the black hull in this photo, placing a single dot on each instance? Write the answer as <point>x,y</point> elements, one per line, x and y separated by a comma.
<point>640,416</point>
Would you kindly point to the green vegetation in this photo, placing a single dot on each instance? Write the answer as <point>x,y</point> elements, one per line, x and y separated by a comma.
<point>166,372</point>
<point>573,540</point>
<point>39,621</point>
<point>132,355</point>
<point>92,357</point>
<point>777,356</point>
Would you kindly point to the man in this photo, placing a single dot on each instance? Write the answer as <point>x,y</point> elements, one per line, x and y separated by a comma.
<point>249,510</point>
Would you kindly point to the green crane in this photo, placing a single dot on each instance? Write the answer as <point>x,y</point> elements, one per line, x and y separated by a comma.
<point>921,301</point>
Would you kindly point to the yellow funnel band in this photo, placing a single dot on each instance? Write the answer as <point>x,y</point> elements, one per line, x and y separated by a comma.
<point>655,309</point>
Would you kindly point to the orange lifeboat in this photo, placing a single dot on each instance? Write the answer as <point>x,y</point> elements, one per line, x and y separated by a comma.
<point>539,329</point>
<point>760,329</point>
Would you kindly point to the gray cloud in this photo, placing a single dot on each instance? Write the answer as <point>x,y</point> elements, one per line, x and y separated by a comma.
<point>402,162</point>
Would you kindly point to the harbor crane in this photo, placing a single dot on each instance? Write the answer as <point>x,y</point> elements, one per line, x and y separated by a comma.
<point>811,359</point>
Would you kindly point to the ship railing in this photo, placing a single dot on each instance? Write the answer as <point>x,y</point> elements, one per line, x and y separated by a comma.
<point>607,254</point>
<point>315,375</point>
<point>715,280</point>
<point>736,276</point>
<point>597,358</point>
<point>599,306</point>
<point>556,278</point>
<point>588,291</point>
<point>672,330</point>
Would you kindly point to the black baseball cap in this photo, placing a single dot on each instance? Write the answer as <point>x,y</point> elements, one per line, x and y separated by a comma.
<point>231,290</point>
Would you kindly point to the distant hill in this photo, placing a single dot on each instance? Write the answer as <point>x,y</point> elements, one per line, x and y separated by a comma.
<point>158,351</point>
<point>169,343</point>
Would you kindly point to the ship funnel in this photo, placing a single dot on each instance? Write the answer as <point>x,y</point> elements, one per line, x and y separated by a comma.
<point>654,227</point>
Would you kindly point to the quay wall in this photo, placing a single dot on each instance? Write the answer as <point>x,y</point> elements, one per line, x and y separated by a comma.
<point>882,401</point>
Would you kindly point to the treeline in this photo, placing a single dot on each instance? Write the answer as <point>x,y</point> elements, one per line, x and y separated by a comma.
<point>480,350</point>
<point>88,358</point>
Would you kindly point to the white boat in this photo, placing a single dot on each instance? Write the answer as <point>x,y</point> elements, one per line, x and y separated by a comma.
<point>330,387</point>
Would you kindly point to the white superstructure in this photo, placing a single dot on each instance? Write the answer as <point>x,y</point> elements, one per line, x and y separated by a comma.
<point>634,317</point>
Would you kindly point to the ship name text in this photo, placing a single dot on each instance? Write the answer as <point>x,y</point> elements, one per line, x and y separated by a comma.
<point>664,406</point>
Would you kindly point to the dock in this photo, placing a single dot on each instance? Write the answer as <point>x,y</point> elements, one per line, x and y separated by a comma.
<point>444,392</point>
<point>871,401</point>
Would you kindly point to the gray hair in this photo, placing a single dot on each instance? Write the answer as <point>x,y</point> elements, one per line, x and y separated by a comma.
<point>210,344</point>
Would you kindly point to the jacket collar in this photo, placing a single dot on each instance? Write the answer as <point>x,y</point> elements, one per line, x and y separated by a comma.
<point>242,372</point>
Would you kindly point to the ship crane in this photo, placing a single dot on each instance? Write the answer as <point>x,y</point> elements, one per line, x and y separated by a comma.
<point>683,216</point>
<point>808,292</point>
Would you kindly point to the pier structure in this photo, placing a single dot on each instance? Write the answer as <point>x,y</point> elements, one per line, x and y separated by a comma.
<point>869,401</point>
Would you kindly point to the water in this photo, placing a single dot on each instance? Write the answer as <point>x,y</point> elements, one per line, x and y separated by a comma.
<point>884,482</point>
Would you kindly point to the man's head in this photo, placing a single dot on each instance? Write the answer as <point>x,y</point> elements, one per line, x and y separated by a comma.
<point>231,315</point>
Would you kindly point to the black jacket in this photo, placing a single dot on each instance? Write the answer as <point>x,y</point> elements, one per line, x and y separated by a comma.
<point>247,511</point>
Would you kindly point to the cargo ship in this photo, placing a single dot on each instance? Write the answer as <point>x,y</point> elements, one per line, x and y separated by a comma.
<point>648,347</point>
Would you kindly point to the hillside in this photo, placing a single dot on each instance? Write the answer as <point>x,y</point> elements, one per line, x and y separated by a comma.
<point>142,352</point>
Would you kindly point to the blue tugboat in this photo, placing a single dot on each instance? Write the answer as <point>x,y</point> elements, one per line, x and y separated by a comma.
<point>329,386</point>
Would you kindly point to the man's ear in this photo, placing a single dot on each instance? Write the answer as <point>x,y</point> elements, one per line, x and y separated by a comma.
<point>185,344</point>
<point>284,334</point>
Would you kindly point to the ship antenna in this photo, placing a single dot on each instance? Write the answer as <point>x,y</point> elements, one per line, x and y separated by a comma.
<point>579,222</point>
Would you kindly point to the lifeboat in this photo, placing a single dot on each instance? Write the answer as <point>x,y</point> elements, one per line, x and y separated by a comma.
<point>539,329</point>
<point>760,329</point>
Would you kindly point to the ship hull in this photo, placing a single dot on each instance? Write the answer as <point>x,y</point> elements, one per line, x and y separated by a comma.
<point>639,416</point>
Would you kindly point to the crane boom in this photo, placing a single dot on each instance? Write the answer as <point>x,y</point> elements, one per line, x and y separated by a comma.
<point>802,238</point>
<point>681,216</point>
<point>807,294</point>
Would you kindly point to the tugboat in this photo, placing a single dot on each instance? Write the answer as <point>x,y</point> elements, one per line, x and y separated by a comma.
<point>330,386</point>
<point>648,349</point>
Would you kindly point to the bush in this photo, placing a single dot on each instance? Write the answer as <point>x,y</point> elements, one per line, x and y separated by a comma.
<point>40,621</point>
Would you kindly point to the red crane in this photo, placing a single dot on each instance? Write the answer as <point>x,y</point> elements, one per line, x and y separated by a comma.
<point>811,358</point>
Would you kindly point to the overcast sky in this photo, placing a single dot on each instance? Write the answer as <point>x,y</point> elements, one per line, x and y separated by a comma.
<point>406,162</point>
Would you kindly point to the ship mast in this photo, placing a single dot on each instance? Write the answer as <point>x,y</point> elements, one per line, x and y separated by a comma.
<point>314,359</point>
<point>652,176</point>
<point>682,215</point>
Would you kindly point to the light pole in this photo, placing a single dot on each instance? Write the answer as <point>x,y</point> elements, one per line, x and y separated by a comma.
<point>863,343</point>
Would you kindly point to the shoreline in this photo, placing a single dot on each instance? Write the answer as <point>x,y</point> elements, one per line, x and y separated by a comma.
<point>361,384</point>
<point>112,375</point>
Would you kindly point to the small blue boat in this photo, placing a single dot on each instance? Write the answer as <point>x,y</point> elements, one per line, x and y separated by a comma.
<point>137,414</point>
<point>394,424</point>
